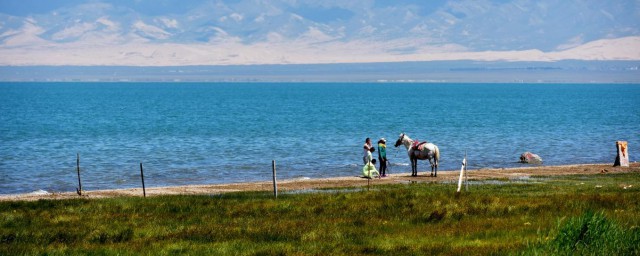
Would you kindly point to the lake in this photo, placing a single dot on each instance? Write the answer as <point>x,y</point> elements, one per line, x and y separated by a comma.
<point>204,133</point>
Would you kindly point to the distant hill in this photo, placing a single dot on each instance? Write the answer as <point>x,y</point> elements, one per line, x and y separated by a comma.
<point>433,71</point>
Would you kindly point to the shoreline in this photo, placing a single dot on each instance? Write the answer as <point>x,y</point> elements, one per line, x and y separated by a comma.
<point>335,182</point>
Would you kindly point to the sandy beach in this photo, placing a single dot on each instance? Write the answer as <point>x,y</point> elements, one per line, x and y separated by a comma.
<point>351,181</point>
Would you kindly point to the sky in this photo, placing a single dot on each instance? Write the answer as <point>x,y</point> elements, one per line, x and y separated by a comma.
<point>248,32</point>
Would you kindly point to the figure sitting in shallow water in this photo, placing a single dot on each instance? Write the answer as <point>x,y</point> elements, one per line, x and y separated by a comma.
<point>369,170</point>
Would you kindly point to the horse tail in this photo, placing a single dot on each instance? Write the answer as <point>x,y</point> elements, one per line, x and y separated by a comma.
<point>437,153</point>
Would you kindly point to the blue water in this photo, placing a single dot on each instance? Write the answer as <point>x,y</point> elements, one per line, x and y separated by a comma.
<point>203,133</point>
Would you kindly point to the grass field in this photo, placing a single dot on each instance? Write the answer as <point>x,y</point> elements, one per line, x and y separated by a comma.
<point>565,215</point>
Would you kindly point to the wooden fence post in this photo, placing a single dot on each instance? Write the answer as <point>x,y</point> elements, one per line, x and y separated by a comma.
<point>275,183</point>
<point>79,188</point>
<point>144,191</point>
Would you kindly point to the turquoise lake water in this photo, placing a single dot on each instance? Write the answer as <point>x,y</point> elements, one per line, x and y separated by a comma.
<point>203,133</point>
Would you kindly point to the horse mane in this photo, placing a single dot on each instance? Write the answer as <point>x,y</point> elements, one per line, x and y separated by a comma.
<point>406,137</point>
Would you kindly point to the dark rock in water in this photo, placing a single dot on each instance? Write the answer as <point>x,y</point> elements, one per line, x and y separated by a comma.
<point>530,158</point>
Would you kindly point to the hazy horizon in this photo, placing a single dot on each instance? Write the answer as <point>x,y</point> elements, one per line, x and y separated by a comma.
<point>421,72</point>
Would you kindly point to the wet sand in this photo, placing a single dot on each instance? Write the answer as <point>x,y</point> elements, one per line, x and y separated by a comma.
<point>339,182</point>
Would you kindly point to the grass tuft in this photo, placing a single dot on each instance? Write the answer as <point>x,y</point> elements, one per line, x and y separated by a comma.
<point>592,233</point>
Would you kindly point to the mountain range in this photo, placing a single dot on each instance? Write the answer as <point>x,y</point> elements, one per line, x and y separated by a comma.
<point>250,32</point>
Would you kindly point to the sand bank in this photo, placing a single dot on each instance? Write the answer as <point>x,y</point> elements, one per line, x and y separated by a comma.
<point>353,181</point>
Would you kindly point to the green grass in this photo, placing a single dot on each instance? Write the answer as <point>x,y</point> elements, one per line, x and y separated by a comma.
<point>583,215</point>
<point>594,234</point>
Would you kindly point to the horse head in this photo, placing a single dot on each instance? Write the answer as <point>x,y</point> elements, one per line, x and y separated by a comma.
<point>399,141</point>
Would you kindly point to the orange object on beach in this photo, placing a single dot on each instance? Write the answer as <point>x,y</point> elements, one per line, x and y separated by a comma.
<point>623,147</point>
<point>622,159</point>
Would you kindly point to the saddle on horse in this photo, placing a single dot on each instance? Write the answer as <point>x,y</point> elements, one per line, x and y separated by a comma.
<point>417,145</point>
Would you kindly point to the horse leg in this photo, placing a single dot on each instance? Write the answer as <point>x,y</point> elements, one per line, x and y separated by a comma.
<point>411,161</point>
<point>414,167</point>
<point>434,171</point>
<point>436,167</point>
<point>431,163</point>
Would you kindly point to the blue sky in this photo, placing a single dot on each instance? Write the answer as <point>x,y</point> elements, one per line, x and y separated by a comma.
<point>210,32</point>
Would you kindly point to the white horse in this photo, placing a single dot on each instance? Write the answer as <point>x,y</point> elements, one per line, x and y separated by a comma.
<point>421,151</point>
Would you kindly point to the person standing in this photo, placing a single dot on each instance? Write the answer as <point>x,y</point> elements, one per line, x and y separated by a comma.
<point>382,156</point>
<point>366,158</point>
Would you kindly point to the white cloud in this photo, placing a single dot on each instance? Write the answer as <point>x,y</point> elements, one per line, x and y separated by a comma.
<point>522,9</point>
<point>296,17</point>
<point>450,21</point>
<point>168,23</point>
<point>73,32</point>
<point>608,15</point>
<point>112,26</point>
<point>419,28</point>
<point>409,16</point>
<point>223,38</point>
<point>150,31</point>
<point>314,34</point>
<point>573,42</point>
<point>274,37</point>
<point>237,17</point>
<point>367,30</point>
<point>234,16</point>
<point>28,35</point>
<point>9,33</point>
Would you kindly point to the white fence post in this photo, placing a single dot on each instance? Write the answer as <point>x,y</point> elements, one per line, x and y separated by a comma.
<point>462,173</point>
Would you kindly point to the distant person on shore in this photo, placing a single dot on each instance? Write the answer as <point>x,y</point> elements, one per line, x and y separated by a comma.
<point>382,156</point>
<point>366,158</point>
<point>369,170</point>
